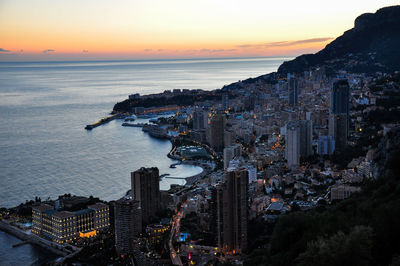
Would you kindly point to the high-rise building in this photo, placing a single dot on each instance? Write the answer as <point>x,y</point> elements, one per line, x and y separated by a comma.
<point>340,97</point>
<point>326,145</point>
<point>145,184</point>
<point>306,138</point>
<point>216,212</point>
<point>233,221</point>
<point>227,138</point>
<point>338,130</point>
<point>217,128</point>
<point>230,153</point>
<point>128,224</point>
<point>252,173</point>
<point>293,90</point>
<point>292,149</point>
<point>339,113</point>
<point>200,119</point>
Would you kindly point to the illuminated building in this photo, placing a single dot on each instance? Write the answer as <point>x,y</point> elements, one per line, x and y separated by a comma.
<point>232,222</point>
<point>145,184</point>
<point>156,232</point>
<point>63,226</point>
<point>128,224</point>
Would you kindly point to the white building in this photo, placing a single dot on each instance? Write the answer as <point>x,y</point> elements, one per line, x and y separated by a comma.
<point>292,149</point>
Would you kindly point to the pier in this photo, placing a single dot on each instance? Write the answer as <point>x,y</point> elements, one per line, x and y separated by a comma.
<point>104,120</point>
<point>133,125</point>
<point>172,177</point>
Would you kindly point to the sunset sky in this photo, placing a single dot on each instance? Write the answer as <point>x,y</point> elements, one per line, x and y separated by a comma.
<point>122,29</point>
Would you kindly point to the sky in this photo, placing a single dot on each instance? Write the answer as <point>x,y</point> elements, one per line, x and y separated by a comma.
<point>147,29</point>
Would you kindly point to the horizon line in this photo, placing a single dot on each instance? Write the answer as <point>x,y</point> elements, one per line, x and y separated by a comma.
<point>48,60</point>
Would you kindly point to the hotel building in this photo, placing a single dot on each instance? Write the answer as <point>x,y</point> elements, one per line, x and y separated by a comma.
<point>64,226</point>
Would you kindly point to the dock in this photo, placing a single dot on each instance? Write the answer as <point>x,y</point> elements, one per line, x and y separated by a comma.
<point>175,164</point>
<point>104,120</point>
<point>133,125</point>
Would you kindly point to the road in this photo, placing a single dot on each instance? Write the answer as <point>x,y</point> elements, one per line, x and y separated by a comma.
<point>175,258</point>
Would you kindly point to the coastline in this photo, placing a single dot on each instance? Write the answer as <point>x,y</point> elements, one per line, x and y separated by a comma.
<point>190,180</point>
<point>33,239</point>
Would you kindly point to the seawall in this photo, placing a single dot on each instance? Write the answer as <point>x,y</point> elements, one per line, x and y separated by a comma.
<point>34,239</point>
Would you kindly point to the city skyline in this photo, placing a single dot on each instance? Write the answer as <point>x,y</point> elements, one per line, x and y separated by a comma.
<point>48,30</point>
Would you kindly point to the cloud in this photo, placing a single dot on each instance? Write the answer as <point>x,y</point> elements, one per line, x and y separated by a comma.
<point>204,50</point>
<point>223,50</point>
<point>48,51</point>
<point>285,43</point>
<point>4,50</point>
<point>85,51</point>
<point>148,50</point>
<point>312,40</point>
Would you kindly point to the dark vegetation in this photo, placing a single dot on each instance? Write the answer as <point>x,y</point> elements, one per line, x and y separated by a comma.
<point>362,230</point>
<point>185,99</point>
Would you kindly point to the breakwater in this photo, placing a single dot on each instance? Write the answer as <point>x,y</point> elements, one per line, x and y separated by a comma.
<point>105,120</point>
<point>36,240</point>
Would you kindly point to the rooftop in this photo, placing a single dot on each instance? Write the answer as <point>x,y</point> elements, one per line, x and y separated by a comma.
<point>42,207</point>
<point>63,214</point>
<point>98,206</point>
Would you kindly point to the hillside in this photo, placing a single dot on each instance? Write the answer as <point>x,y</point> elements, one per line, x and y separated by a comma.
<point>372,45</point>
<point>362,230</point>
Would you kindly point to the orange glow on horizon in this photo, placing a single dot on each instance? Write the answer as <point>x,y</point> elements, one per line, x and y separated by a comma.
<point>171,29</point>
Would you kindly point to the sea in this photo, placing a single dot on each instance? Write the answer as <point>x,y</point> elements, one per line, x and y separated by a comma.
<point>44,106</point>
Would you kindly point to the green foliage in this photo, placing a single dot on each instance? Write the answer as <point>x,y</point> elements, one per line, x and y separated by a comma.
<point>340,249</point>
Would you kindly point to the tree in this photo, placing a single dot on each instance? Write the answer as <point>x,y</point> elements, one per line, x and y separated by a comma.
<point>340,249</point>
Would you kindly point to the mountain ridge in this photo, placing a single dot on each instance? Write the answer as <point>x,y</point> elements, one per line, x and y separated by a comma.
<point>372,45</point>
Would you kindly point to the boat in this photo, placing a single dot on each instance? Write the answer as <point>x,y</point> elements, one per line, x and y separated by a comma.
<point>130,118</point>
<point>146,116</point>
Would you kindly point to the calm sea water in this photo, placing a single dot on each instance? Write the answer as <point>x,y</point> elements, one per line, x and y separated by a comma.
<point>22,255</point>
<point>44,106</point>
